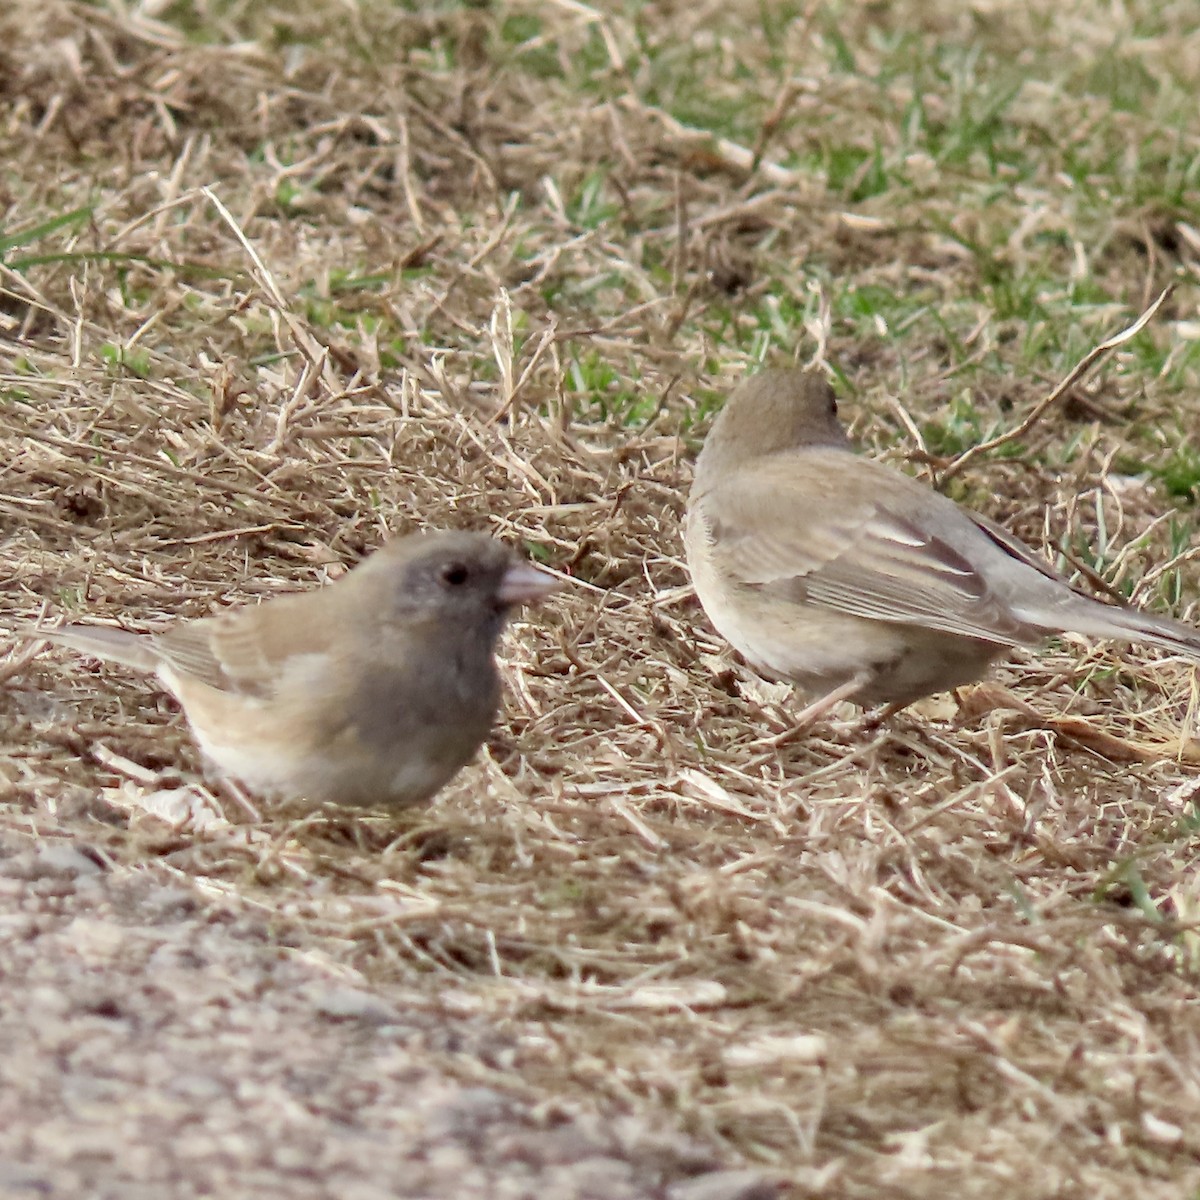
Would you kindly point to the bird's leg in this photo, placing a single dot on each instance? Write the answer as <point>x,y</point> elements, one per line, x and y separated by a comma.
<point>819,707</point>
<point>872,721</point>
<point>823,704</point>
<point>230,789</point>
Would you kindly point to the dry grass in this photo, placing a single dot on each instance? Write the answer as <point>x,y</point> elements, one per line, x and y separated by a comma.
<point>367,269</point>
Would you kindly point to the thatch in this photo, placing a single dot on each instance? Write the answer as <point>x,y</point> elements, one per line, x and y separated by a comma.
<point>327,274</point>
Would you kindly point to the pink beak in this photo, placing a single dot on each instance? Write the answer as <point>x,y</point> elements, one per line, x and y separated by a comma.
<point>524,584</point>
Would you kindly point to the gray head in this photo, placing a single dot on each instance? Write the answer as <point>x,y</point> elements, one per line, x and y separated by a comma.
<point>782,409</point>
<point>455,578</point>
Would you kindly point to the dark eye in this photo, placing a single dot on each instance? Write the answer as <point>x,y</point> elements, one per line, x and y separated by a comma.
<point>454,574</point>
<point>833,410</point>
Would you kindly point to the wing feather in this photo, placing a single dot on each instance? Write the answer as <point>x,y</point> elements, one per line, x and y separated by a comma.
<point>238,652</point>
<point>894,552</point>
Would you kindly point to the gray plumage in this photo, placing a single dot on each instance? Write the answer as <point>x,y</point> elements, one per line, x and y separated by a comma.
<point>825,568</point>
<point>374,690</point>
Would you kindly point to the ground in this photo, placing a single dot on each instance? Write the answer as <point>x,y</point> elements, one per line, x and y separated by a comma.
<point>281,279</point>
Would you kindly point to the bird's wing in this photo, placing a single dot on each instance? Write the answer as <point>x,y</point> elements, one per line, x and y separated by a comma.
<point>887,549</point>
<point>246,651</point>
<point>1012,545</point>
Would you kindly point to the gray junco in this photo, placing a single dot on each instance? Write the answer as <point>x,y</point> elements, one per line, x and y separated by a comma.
<point>852,580</point>
<point>373,690</point>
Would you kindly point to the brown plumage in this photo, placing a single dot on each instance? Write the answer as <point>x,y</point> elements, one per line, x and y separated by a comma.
<point>374,690</point>
<point>844,576</point>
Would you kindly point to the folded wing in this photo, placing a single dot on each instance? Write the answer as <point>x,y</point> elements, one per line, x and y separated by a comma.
<point>919,560</point>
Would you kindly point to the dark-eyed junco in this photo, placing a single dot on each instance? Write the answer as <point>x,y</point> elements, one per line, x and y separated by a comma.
<point>852,580</point>
<point>373,690</point>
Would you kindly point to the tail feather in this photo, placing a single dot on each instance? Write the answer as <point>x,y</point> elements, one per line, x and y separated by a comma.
<point>104,641</point>
<point>1130,625</point>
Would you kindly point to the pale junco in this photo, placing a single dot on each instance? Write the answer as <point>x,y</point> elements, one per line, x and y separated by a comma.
<point>853,580</point>
<point>373,690</point>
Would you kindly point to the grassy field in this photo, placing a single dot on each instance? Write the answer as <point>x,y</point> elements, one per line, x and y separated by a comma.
<point>281,278</point>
